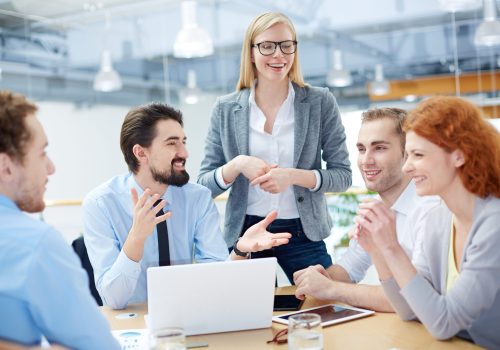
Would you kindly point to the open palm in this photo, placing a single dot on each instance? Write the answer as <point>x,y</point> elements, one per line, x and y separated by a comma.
<point>257,238</point>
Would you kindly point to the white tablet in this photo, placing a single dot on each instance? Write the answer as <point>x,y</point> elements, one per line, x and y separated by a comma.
<point>330,314</point>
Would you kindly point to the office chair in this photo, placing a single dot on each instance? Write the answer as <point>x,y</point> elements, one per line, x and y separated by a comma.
<point>80,250</point>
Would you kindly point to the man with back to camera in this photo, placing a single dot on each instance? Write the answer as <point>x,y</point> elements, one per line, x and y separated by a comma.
<point>43,289</point>
<point>121,215</point>
<point>381,155</point>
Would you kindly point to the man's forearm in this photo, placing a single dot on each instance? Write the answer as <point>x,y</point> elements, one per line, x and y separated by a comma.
<point>362,295</point>
<point>338,273</point>
<point>116,284</point>
<point>133,248</point>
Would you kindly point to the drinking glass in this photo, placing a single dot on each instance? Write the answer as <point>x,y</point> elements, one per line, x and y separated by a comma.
<point>168,338</point>
<point>305,332</point>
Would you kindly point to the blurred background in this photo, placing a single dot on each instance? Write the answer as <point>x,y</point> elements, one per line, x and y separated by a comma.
<point>86,63</point>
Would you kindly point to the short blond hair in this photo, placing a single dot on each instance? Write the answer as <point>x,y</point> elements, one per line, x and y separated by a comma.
<point>260,24</point>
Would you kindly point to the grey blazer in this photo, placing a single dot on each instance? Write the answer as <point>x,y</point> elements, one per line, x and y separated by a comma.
<point>471,308</point>
<point>318,133</point>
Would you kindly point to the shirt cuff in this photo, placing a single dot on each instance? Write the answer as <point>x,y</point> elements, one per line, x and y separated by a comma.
<point>128,267</point>
<point>220,179</point>
<point>318,181</point>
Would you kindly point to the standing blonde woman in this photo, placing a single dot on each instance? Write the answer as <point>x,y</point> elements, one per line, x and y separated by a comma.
<point>266,141</point>
<point>454,286</point>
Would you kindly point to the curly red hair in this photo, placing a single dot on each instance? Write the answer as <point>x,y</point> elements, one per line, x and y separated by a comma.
<point>454,123</point>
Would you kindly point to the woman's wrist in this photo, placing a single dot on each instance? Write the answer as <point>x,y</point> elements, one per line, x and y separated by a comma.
<point>302,177</point>
<point>232,169</point>
<point>391,250</point>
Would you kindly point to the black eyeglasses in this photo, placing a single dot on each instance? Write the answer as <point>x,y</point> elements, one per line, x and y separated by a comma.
<point>276,339</point>
<point>267,48</point>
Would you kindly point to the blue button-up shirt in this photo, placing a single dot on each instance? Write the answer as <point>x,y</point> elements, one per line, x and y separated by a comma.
<point>193,233</point>
<point>43,289</point>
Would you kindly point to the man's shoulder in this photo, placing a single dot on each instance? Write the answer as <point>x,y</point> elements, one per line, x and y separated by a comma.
<point>194,190</point>
<point>417,205</point>
<point>29,239</point>
<point>424,208</point>
<point>112,188</point>
<point>433,213</point>
<point>24,227</point>
<point>427,203</point>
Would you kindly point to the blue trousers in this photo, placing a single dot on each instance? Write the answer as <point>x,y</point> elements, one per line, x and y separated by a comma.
<point>299,253</point>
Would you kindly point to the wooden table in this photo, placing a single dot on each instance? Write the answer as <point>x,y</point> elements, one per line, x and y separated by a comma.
<point>380,331</point>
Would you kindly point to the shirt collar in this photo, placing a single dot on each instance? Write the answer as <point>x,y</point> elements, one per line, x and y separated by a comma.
<point>132,183</point>
<point>406,200</point>
<point>7,202</point>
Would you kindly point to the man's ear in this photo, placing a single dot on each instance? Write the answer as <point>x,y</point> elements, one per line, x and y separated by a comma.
<point>458,158</point>
<point>140,153</point>
<point>6,168</point>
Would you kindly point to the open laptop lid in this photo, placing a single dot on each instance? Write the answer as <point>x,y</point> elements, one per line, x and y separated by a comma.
<point>212,297</point>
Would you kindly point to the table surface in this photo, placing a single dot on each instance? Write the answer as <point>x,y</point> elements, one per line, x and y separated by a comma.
<point>380,331</point>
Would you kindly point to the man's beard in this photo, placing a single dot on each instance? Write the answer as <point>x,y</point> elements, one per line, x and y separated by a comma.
<point>30,203</point>
<point>175,178</point>
<point>29,199</point>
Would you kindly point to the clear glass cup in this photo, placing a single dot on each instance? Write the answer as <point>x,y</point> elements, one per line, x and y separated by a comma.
<point>168,338</point>
<point>305,332</point>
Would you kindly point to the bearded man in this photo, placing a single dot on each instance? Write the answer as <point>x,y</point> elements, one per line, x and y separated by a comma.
<point>152,215</point>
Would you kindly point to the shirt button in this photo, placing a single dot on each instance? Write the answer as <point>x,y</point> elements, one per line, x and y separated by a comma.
<point>300,199</point>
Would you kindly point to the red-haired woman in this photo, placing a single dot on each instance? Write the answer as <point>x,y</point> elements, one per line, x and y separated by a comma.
<point>453,286</point>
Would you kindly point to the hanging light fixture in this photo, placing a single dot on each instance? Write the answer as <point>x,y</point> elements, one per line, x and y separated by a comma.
<point>488,31</point>
<point>107,79</point>
<point>379,86</point>
<point>192,41</point>
<point>191,93</point>
<point>338,76</point>
<point>459,5</point>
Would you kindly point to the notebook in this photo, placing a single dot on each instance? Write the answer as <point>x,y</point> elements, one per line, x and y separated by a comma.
<point>212,297</point>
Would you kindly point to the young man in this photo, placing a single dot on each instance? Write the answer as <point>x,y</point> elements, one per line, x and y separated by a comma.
<point>121,215</point>
<point>381,143</point>
<point>43,289</point>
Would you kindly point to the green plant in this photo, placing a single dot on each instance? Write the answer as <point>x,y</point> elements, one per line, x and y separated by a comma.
<point>343,208</point>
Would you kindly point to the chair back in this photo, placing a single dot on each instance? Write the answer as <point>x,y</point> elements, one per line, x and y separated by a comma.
<point>80,250</point>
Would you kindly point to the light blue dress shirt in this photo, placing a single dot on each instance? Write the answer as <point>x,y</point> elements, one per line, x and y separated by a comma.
<point>43,289</point>
<point>193,233</point>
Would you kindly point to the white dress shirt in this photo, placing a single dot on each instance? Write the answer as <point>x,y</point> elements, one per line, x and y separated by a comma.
<point>274,148</point>
<point>410,210</point>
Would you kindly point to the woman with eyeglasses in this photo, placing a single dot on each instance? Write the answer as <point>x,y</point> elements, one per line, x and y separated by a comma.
<point>453,285</point>
<point>265,142</point>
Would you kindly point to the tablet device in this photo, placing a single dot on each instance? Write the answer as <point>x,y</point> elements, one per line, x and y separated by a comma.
<point>286,303</point>
<point>330,314</point>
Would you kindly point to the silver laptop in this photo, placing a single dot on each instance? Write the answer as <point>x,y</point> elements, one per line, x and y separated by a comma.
<point>212,297</point>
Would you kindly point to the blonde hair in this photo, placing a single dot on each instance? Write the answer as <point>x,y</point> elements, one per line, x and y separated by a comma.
<point>260,24</point>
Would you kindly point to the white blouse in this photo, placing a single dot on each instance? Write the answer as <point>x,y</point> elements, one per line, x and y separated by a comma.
<point>274,148</point>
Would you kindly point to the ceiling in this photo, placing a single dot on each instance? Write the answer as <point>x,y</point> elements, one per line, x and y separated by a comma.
<point>53,51</point>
